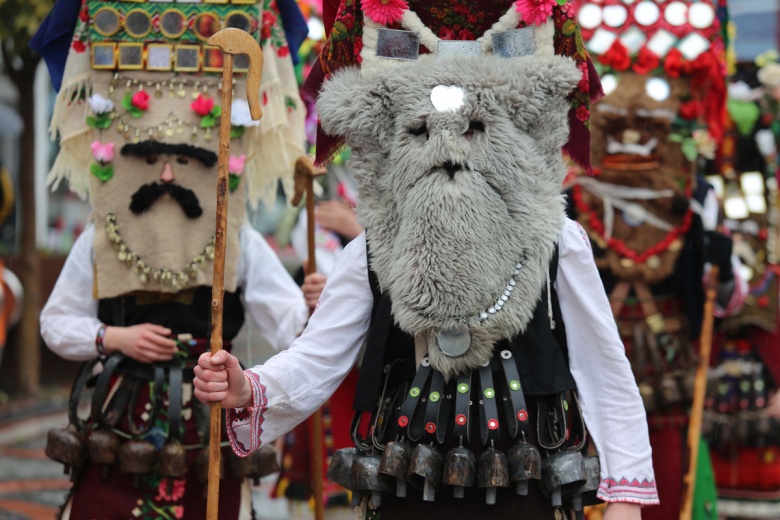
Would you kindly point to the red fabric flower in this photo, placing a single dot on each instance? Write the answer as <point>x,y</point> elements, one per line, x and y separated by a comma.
<point>616,57</point>
<point>78,46</point>
<point>646,61</point>
<point>674,64</point>
<point>446,33</point>
<point>584,83</point>
<point>202,105</point>
<point>690,110</point>
<point>535,12</point>
<point>385,12</point>
<point>465,34</point>
<point>283,51</point>
<point>84,14</point>
<point>583,113</point>
<point>177,490</point>
<point>140,100</point>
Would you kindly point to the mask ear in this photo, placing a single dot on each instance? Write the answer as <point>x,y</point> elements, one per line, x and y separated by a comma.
<point>537,98</point>
<point>356,107</point>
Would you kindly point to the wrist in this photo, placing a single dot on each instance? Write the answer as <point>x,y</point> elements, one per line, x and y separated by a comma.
<point>100,343</point>
<point>246,396</point>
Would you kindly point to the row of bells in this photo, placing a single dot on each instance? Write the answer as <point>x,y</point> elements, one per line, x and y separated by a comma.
<point>562,476</point>
<point>138,457</point>
<point>753,429</point>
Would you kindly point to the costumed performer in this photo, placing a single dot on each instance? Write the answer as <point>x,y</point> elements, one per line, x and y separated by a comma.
<point>492,358</point>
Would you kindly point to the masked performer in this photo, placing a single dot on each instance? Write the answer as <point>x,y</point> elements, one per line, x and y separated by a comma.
<point>137,115</point>
<point>650,218</point>
<point>492,356</point>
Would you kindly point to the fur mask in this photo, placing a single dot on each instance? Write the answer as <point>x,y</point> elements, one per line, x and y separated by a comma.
<point>455,200</point>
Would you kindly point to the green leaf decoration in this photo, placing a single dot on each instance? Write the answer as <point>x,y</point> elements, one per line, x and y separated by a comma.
<point>100,122</point>
<point>127,101</point>
<point>237,131</point>
<point>562,2</point>
<point>689,149</point>
<point>103,172</point>
<point>207,121</point>
<point>675,138</point>
<point>233,181</point>
<point>216,111</point>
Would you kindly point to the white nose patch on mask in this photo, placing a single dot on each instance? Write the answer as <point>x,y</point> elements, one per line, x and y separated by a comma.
<point>447,99</point>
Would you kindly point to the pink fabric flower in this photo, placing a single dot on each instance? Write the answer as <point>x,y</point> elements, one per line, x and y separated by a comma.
<point>385,12</point>
<point>140,100</point>
<point>178,511</point>
<point>177,490</point>
<point>535,12</point>
<point>102,152</point>
<point>236,164</point>
<point>583,113</point>
<point>202,105</point>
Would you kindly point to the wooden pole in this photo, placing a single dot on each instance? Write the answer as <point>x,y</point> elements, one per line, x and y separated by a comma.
<point>231,41</point>
<point>699,393</point>
<point>304,182</point>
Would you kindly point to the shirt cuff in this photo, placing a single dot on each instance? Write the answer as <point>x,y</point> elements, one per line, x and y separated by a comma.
<point>245,425</point>
<point>736,302</point>
<point>623,490</point>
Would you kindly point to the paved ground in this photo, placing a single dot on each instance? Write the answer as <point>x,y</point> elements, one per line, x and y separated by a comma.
<point>32,487</point>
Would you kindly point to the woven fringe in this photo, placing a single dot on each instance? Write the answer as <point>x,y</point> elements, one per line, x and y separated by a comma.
<point>72,164</point>
<point>65,102</point>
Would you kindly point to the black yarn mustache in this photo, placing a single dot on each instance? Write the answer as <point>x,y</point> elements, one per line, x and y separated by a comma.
<point>148,194</point>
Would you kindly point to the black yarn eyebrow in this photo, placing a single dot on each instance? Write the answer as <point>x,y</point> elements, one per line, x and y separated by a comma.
<point>152,148</point>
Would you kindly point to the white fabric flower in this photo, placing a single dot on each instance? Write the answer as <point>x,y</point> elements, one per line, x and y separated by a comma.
<point>100,105</point>
<point>239,114</point>
<point>769,75</point>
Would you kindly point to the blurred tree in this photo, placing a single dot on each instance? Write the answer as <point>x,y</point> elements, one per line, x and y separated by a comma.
<point>21,19</point>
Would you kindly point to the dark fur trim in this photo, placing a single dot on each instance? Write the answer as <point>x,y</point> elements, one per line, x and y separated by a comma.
<point>152,148</point>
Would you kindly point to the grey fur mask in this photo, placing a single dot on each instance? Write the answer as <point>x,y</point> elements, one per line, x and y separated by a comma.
<point>453,200</point>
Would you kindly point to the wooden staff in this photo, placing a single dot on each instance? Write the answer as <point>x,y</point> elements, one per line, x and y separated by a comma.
<point>699,391</point>
<point>304,183</point>
<point>231,41</point>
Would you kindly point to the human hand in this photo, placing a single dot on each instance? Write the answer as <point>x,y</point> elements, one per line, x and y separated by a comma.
<point>219,378</point>
<point>144,342</point>
<point>312,288</point>
<point>339,218</point>
<point>623,511</point>
<point>773,405</point>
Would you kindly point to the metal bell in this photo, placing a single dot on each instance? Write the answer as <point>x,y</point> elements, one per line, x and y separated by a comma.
<point>460,470</point>
<point>202,468</point>
<point>103,448</point>
<point>66,445</point>
<point>173,460</point>
<point>395,464</point>
<point>136,457</point>
<point>592,481</point>
<point>340,468</point>
<point>492,473</point>
<point>525,463</point>
<point>263,462</point>
<point>240,467</point>
<point>368,481</point>
<point>425,470</point>
<point>565,469</point>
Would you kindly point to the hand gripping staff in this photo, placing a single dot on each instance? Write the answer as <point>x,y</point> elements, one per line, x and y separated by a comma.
<point>231,41</point>
<point>304,183</point>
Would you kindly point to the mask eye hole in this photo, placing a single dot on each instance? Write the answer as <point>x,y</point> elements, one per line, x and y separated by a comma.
<point>151,159</point>
<point>474,126</point>
<point>420,130</point>
<point>182,160</point>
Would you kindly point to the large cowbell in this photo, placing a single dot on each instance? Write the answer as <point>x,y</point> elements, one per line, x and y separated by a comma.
<point>395,464</point>
<point>525,463</point>
<point>425,470</point>
<point>460,470</point>
<point>367,480</point>
<point>562,473</point>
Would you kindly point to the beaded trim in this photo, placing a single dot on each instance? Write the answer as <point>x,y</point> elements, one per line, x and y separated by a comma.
<point>145,272</point>
<point>504,297</point>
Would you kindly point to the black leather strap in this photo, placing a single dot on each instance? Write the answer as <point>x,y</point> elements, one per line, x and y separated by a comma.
<point>551,422</point>
<point>488,408</point>
<point>75,393</point>
<point>155,397</point>
<point>175,383</point>
<point>462,429</point>
<point>516,415</point>
<point>409,420</point>
<point>434,429</point>
<point>103,387</point>
<point>576,432</point>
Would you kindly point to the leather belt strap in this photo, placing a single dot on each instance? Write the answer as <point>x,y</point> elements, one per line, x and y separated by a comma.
<point>155,396</point>
<point>516,415</point>
<point>407,418</point>
<point>75,393</point>
<point>462,407</point>
<point>102,387</point>
<point>488,410</point>
<point>435,429</point>
<point>175,383</point>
